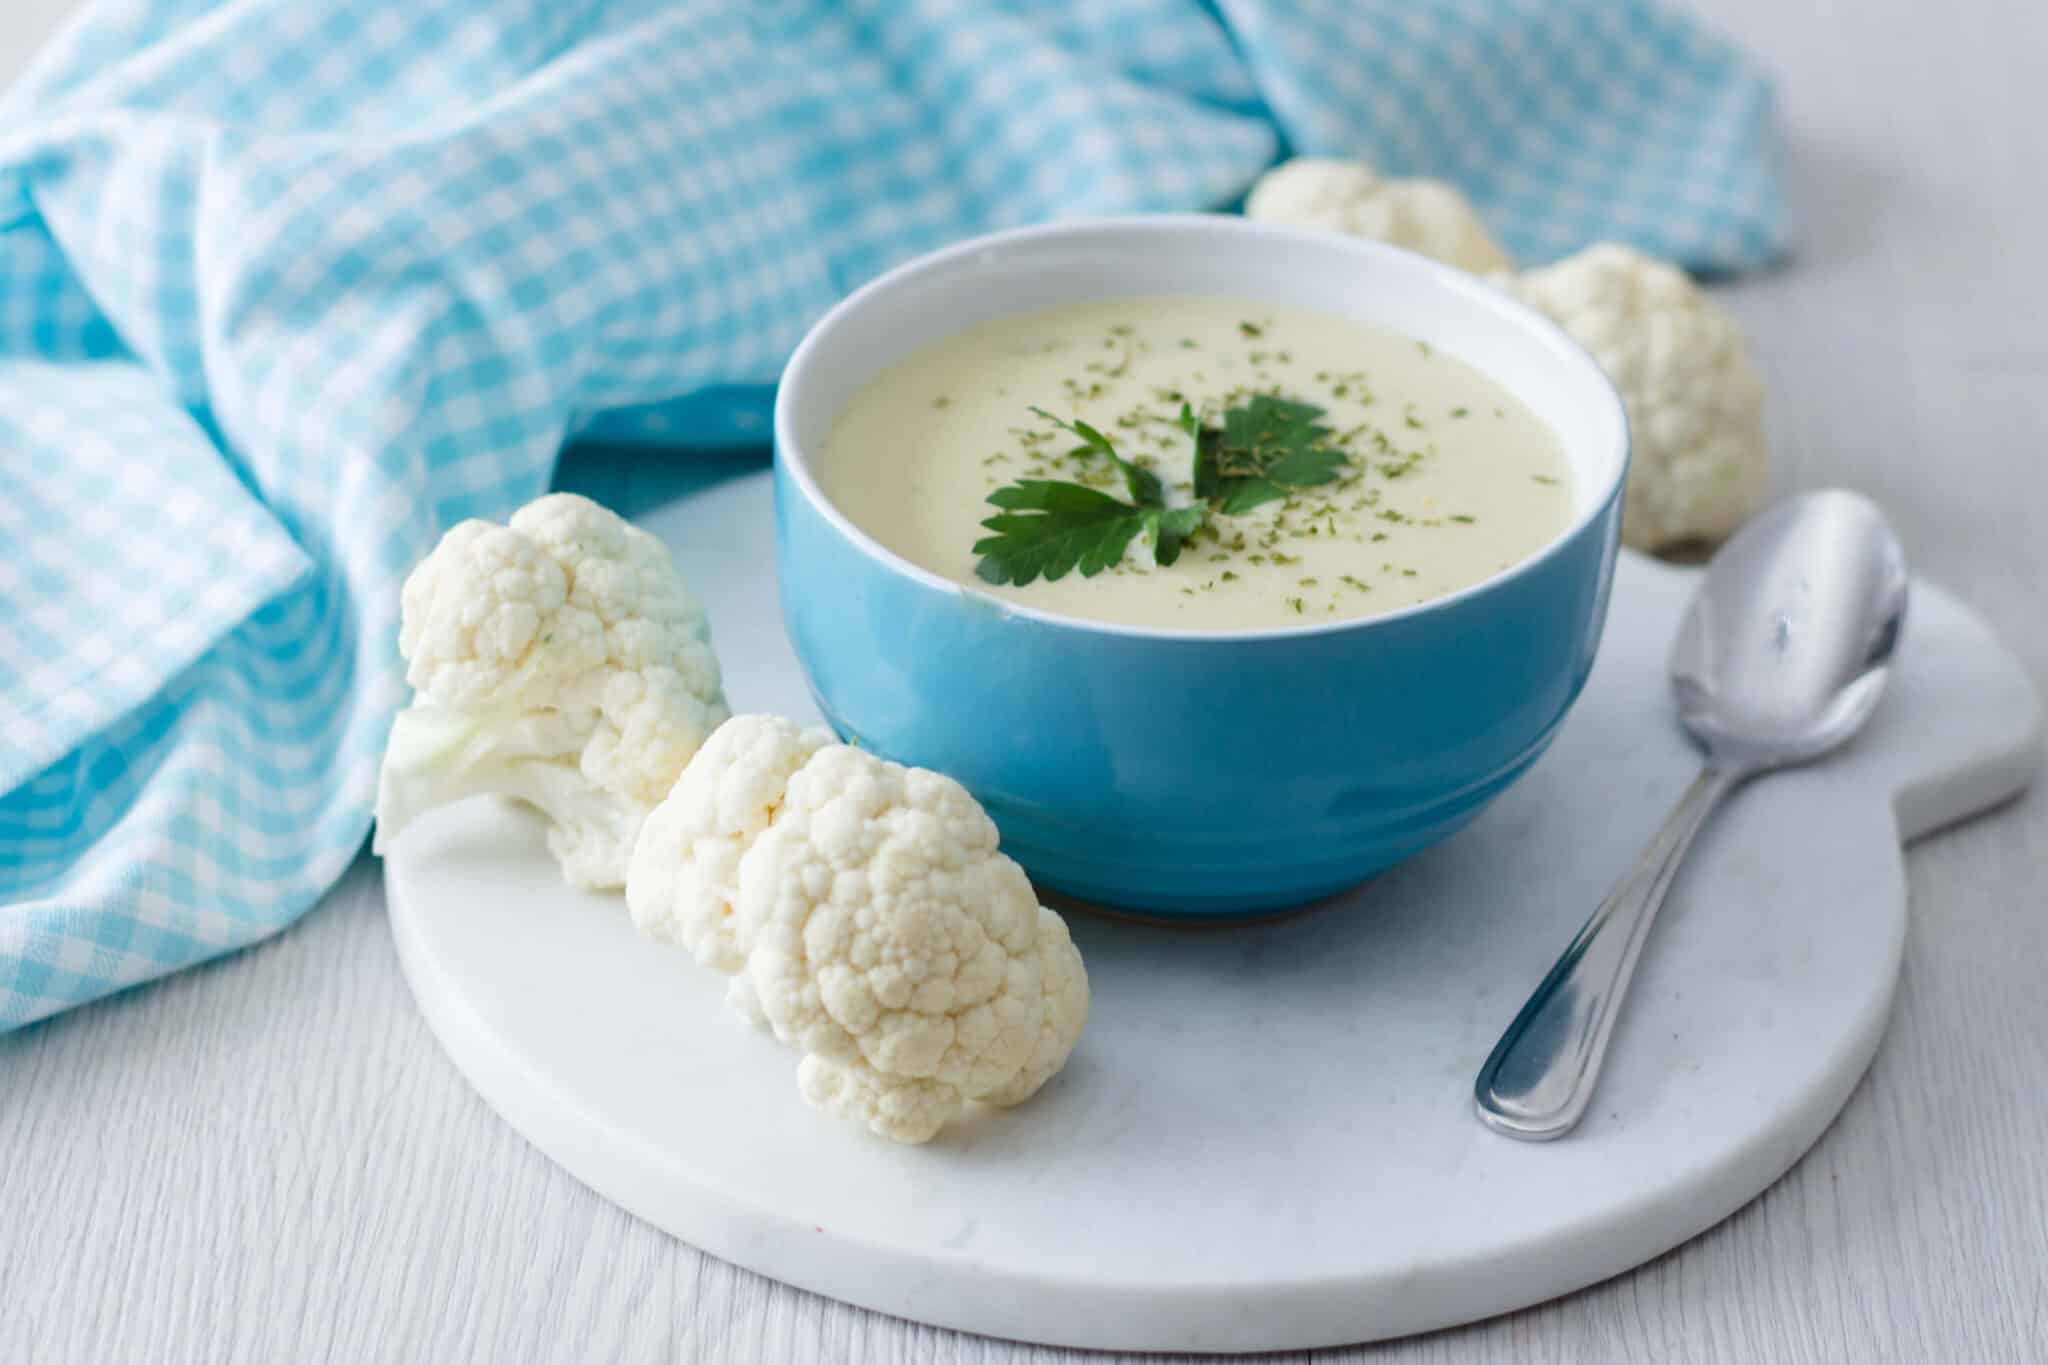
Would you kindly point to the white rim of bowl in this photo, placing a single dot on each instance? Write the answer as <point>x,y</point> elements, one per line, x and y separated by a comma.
<point>796,461</point>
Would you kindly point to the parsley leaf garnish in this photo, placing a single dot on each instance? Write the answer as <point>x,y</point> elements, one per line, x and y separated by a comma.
<point>1171,527</point>
<point>1048,528</point>
<point>1143,483</point>
<point>1267,447</point>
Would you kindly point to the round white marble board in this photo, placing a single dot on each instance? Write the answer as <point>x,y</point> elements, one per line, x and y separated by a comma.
<point>1265,1140</point>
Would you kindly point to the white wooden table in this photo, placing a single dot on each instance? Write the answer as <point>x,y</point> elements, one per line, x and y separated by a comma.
<point>268,1158</point>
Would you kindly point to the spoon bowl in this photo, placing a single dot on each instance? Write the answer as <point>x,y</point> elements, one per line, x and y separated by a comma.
<point>1783,653</point>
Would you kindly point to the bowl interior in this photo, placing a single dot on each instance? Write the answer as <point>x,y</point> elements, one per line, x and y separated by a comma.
<point>1035,268</point>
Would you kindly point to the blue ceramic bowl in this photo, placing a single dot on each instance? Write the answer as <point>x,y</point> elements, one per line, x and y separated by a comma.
<point>1205,775</point>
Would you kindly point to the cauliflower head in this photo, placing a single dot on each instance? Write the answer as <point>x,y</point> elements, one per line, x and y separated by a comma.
<point>1701,462</point>
<point>684,876</point>
<point>558,660</point>
<point>910,961</point>
<point>1427,216</point>
<point>870,921</point>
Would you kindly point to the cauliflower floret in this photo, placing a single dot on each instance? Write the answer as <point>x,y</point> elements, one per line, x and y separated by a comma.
<point>561,661</point>
<point>1700,462</point>
<point>872,923</point>
<point>473,614</point>
<point>684,876</point>
<point>887,938</point>
<point>1063,983</point>
<point>1428,216</point>
<point>909,1111</point>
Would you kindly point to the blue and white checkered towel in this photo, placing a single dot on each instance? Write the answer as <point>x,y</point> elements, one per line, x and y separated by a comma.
<point>289,286</point>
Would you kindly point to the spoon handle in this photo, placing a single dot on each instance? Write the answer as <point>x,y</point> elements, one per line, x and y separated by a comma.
<point>1542,1072</point>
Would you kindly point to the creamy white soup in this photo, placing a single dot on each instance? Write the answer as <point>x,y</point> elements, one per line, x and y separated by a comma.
<point>1295,467</point>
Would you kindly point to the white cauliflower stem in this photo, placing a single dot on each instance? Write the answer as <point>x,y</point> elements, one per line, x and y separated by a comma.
<point>561,661</point>
<point>872,921</point>
<point>1427,216</point>
<point>1700,462</point>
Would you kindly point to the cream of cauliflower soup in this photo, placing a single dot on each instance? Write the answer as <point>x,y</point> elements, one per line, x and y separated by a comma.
<point>1196,463</point>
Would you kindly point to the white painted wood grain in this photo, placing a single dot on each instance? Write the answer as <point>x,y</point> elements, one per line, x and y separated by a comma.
<point>269,1159</point>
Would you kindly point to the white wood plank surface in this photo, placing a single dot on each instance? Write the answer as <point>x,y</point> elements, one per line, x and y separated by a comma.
<point>268,1158</point>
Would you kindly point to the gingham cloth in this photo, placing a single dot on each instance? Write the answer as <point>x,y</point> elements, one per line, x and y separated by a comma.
<point>289,286</point>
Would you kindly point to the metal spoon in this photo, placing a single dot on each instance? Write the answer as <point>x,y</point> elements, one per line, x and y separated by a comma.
<point>1781,658</point>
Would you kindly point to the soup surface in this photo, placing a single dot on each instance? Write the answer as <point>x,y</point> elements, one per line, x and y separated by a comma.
<point>1338,470</point>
